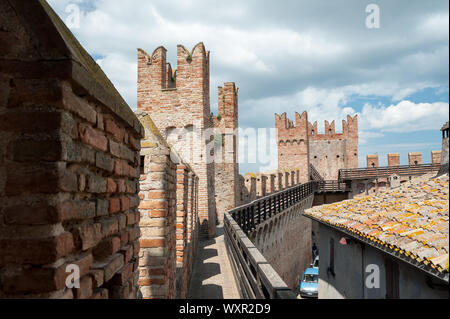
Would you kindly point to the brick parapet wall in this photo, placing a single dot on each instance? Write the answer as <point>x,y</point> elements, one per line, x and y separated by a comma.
<point>169,217</point>
<point>414,158</point>
<point>64,142</point>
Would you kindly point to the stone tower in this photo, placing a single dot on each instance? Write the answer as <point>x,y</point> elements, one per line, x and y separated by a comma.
<point>179,104</point>
<point>226,160</point>
<point>300,145</point>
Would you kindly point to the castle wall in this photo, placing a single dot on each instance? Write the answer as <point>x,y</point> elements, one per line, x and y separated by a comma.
<point>285,241</point>
<point>183,105</point>
<point>69,166</point>
<point>169,217</point>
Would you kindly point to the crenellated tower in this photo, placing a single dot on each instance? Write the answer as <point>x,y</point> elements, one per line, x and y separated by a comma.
<point>293,144</point>
<point>178,102</point>
<point>301,144</point>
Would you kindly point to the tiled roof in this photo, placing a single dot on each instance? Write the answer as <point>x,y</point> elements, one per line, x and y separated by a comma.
<point>410,221</point>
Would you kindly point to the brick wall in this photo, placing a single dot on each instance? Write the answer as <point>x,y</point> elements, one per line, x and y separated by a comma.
<point>69,165</point>
<point>226,164</point>
<point>169,217</point>
<point>394,159</point>
<point>436,157</point>
<point>414,158</point>
<point>183,102</point>
<point>372,161</point>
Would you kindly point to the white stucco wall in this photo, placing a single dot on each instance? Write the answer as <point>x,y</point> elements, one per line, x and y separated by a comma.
<point>350,262</point>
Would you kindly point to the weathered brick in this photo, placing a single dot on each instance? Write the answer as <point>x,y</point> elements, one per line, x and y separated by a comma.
<point>114,205</point>
<point>135,143</point>
<point>76,210</point>
<point>112,128</point>
<point>127,253</point>
<point>134,233</point>
<point>125,203</point>
<point>88,235</point>
<point>111,186</point>
<point>110,266</point>
<point>93,137</point>
<point>39,280</point>
<point>106,247</point>
<point>110,226</point>
<point>35,251</point>
<point>114,148</point>
<point>98,276</point>
<point>104,162</point>
<point>124,238</point>
<point>123,275</point>
<point>96,184</point>
<point>102,207</point>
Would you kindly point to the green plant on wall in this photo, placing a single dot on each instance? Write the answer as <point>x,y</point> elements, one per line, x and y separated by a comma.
<point>189,58</point>
<point>219,117</point>
<point>219,140</point>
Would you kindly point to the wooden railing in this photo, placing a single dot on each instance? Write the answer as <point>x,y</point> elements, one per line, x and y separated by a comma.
<point>384,172</point>
<point>332,187</point>
<point>315,175</point>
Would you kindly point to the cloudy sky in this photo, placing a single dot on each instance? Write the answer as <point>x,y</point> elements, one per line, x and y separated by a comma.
<point>290,56</point>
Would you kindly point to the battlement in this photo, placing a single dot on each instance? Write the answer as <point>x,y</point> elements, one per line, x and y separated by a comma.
<point>349,129</point>
<point>300,144</point>
<point>192,69</point>
<point>228,106</point>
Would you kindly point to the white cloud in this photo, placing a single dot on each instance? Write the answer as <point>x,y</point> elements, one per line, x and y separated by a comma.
<point>301,55</point>
<point>405,116</point>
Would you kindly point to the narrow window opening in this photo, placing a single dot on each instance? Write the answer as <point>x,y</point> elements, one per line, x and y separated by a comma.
<point>142,165</point>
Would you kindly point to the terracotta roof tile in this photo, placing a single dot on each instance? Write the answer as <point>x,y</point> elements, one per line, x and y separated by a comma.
<point>412,219</point>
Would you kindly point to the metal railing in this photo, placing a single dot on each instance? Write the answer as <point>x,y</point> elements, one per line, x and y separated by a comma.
<point>383,172</point>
